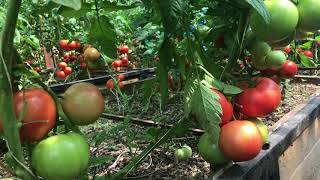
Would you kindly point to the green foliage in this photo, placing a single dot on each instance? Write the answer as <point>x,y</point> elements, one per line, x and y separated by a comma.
<point>207,110</point>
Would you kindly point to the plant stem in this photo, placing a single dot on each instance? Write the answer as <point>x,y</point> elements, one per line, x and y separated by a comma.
<point>7,59</point>
<point>238,43</point>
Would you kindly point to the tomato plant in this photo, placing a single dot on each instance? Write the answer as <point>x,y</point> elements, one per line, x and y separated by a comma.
<point>198,49</point>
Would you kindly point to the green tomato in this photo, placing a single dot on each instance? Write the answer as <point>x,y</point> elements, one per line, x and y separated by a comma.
<point>263,129</point>
<point>183,153</point>
<point>309,15</point>
<point>284,19</point>
<point>275,59</point>
<point>210,151</point>
<point>62,156</point>
<point>259,49</point>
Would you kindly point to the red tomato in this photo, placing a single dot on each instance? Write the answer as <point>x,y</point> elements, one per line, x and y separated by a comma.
<point>72,45</point>
<point>40,114</point>
<point>38,69</point>
<point>67,71</point>
<point>260,100</point>
<point>308,53</point>
<point>123,49</point>
<point>125,61</point>
<point>29,62</point>
<point>240,140</point>
<point>110,84</point>
<point>121,77</point>
<point>73,57</point>
<point>62,65</point>
<point>227,109</point>
<point>289,69</point>
<point>287,49</point>
<point>64,44</point>
<point>121,85</point>
<point>116,63</point>
<point>66,57</point>
<point>61,74</point>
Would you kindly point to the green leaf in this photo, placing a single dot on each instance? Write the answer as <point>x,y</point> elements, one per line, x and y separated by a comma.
<point>221,86</point>
<point>232,90</point>
<point>306,61</point>
<point>113,6</point>
<point>207,109</point>
<point>166,55</point>
<point>74,4</point>
<point>103,33</point>
<point>70,12</point>
<point>261,8</point>
<point>171,12</point>
<point>189,90</point>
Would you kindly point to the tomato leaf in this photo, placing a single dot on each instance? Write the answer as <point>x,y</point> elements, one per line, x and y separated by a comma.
<point>221,86</point>
<point>207,110</point>
<point>189,90</point>
<point>261,8</point>
<point>306,61</point>
<point>70,12</point>
<point>103,33</point>
<point>232,90</point>
<point>166,55</point>
<point>74,4</point>
<point>171,12</point>
<point>113,6</point>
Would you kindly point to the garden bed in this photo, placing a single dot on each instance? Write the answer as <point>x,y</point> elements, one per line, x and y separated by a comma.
<point>161,163</point>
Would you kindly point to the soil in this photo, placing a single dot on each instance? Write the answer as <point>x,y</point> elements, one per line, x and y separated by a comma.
<point>110,140</point>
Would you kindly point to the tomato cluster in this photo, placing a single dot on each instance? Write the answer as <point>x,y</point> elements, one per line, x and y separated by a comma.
<point>36,67</point>
<point>123,59</point>
<point>61,156</point>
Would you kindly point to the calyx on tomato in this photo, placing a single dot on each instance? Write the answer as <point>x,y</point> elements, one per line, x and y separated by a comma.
<point>259,100</point>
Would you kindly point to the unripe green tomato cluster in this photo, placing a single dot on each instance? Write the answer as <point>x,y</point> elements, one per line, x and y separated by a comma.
<point>287,21</point>
<point>265,58</point>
